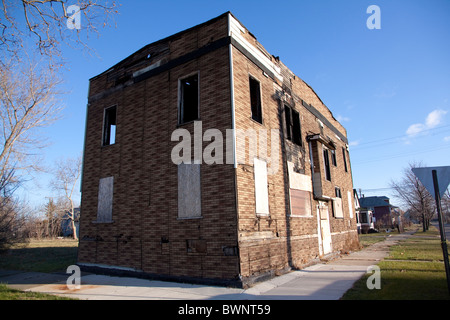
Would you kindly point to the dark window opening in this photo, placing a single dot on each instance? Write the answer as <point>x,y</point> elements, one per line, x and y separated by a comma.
<point>293,129</point>
<point>109,126</point>
<point>287,112</point>
<point>326,160</point>
<point>189,99</point>
<point>345,159</point>
<point>255,100</point>
<point>333,158</point>
<point>338,192</point>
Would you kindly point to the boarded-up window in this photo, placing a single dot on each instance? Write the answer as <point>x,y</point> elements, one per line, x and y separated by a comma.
<point>261,191</point>
<point>189,191</point>
<point>300,192</point>
<point>105,200</point>
<point>337,208</point>
<point>300,203</point>
<point>323,210</point>
<point>350,204</point>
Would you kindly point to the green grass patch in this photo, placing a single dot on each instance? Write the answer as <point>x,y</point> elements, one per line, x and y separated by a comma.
<point>40,256</point>
<point>414,270</point>
<point>369,239</point>
<point>408,280</point>
<point>7,293</point>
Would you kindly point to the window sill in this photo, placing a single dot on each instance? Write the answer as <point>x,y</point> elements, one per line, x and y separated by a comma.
<point>298,216</point>
<point>189,218</point>
<point>263,215</point>
<point>102,222</point>
<point>187,123</point>
<point>109,145</point>
<point>256,121</point>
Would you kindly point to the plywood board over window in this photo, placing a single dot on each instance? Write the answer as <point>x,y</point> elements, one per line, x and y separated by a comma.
<point>300,188</point>
<point>350,204</point>
<point>261,188</point>
<point>300,203</point>
<point>337,208</point>
<point>105,200</point>
<point>189,191</point>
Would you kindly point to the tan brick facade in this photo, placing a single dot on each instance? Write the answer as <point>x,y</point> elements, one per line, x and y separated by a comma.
<point>230,243</point>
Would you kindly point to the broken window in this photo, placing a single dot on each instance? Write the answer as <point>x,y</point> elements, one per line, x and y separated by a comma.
<point>345,159</point>
<point>189,191</point>
<point>337,191</point>
<point>105,200</point>
<point>333,157</point>
<point>188,99</point>
<point>293,129</point>
<point>255,100</point>
<point>326,161</point>
<point>261,188</point>
<point>109,126</point>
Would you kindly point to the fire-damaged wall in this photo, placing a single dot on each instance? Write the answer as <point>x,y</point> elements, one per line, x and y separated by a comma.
<point>277,199</point>
<point>304,222</point>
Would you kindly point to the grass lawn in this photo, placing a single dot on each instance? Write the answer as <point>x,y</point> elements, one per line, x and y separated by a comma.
<point>40,256</point>
<point>414,270</point>
<point>37,256</point>
<point>12,294</point>
<point>366,240</point>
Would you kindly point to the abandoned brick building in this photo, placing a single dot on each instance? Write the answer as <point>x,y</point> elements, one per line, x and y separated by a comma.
<point>232,221</point>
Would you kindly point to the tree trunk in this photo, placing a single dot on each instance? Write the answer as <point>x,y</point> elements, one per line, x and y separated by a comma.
<point>74,230</point>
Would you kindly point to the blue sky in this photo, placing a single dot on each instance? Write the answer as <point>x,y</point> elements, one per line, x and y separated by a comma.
<point>389,87</point>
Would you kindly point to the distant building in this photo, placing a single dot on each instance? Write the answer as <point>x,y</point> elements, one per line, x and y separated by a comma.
<point>383,212</point>
<point>244,216</point>
<point>364,217</point>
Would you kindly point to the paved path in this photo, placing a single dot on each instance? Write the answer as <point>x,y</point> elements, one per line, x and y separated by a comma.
<point>324,281</point>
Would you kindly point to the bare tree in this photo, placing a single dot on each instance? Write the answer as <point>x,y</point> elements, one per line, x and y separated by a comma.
<point>11,216</point>
<point>48,23</point>
<point>32,35</point>
<point>414,196</point>
<point>67,174</point>
<point>28,102</point>
<point>445,202</point>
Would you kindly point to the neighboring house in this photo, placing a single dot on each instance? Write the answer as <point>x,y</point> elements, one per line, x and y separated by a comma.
<point>66,223</point>
<point>266,187</point>
<point>383,212</point>
<point>364,217</point>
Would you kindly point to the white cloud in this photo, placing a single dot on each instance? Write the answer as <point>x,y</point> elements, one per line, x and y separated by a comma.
<point>415,129</point>
<point>433,119</point>
<point>354,143</point>
<point>342,118</point>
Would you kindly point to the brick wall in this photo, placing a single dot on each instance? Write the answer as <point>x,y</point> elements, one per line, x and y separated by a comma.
<point>146,234</point>
<point>271,244</point>
<point>230,241</point>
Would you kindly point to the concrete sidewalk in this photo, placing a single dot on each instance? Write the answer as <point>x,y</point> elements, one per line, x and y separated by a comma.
<point>323,281</point>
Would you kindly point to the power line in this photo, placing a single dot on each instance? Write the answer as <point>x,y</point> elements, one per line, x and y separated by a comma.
<point>373,143</point>
<point>405,154</point>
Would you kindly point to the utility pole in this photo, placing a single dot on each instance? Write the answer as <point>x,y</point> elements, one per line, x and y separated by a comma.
<point>441,227</point>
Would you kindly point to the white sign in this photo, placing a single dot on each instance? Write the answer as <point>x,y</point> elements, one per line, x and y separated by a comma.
<point>425,175</point>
